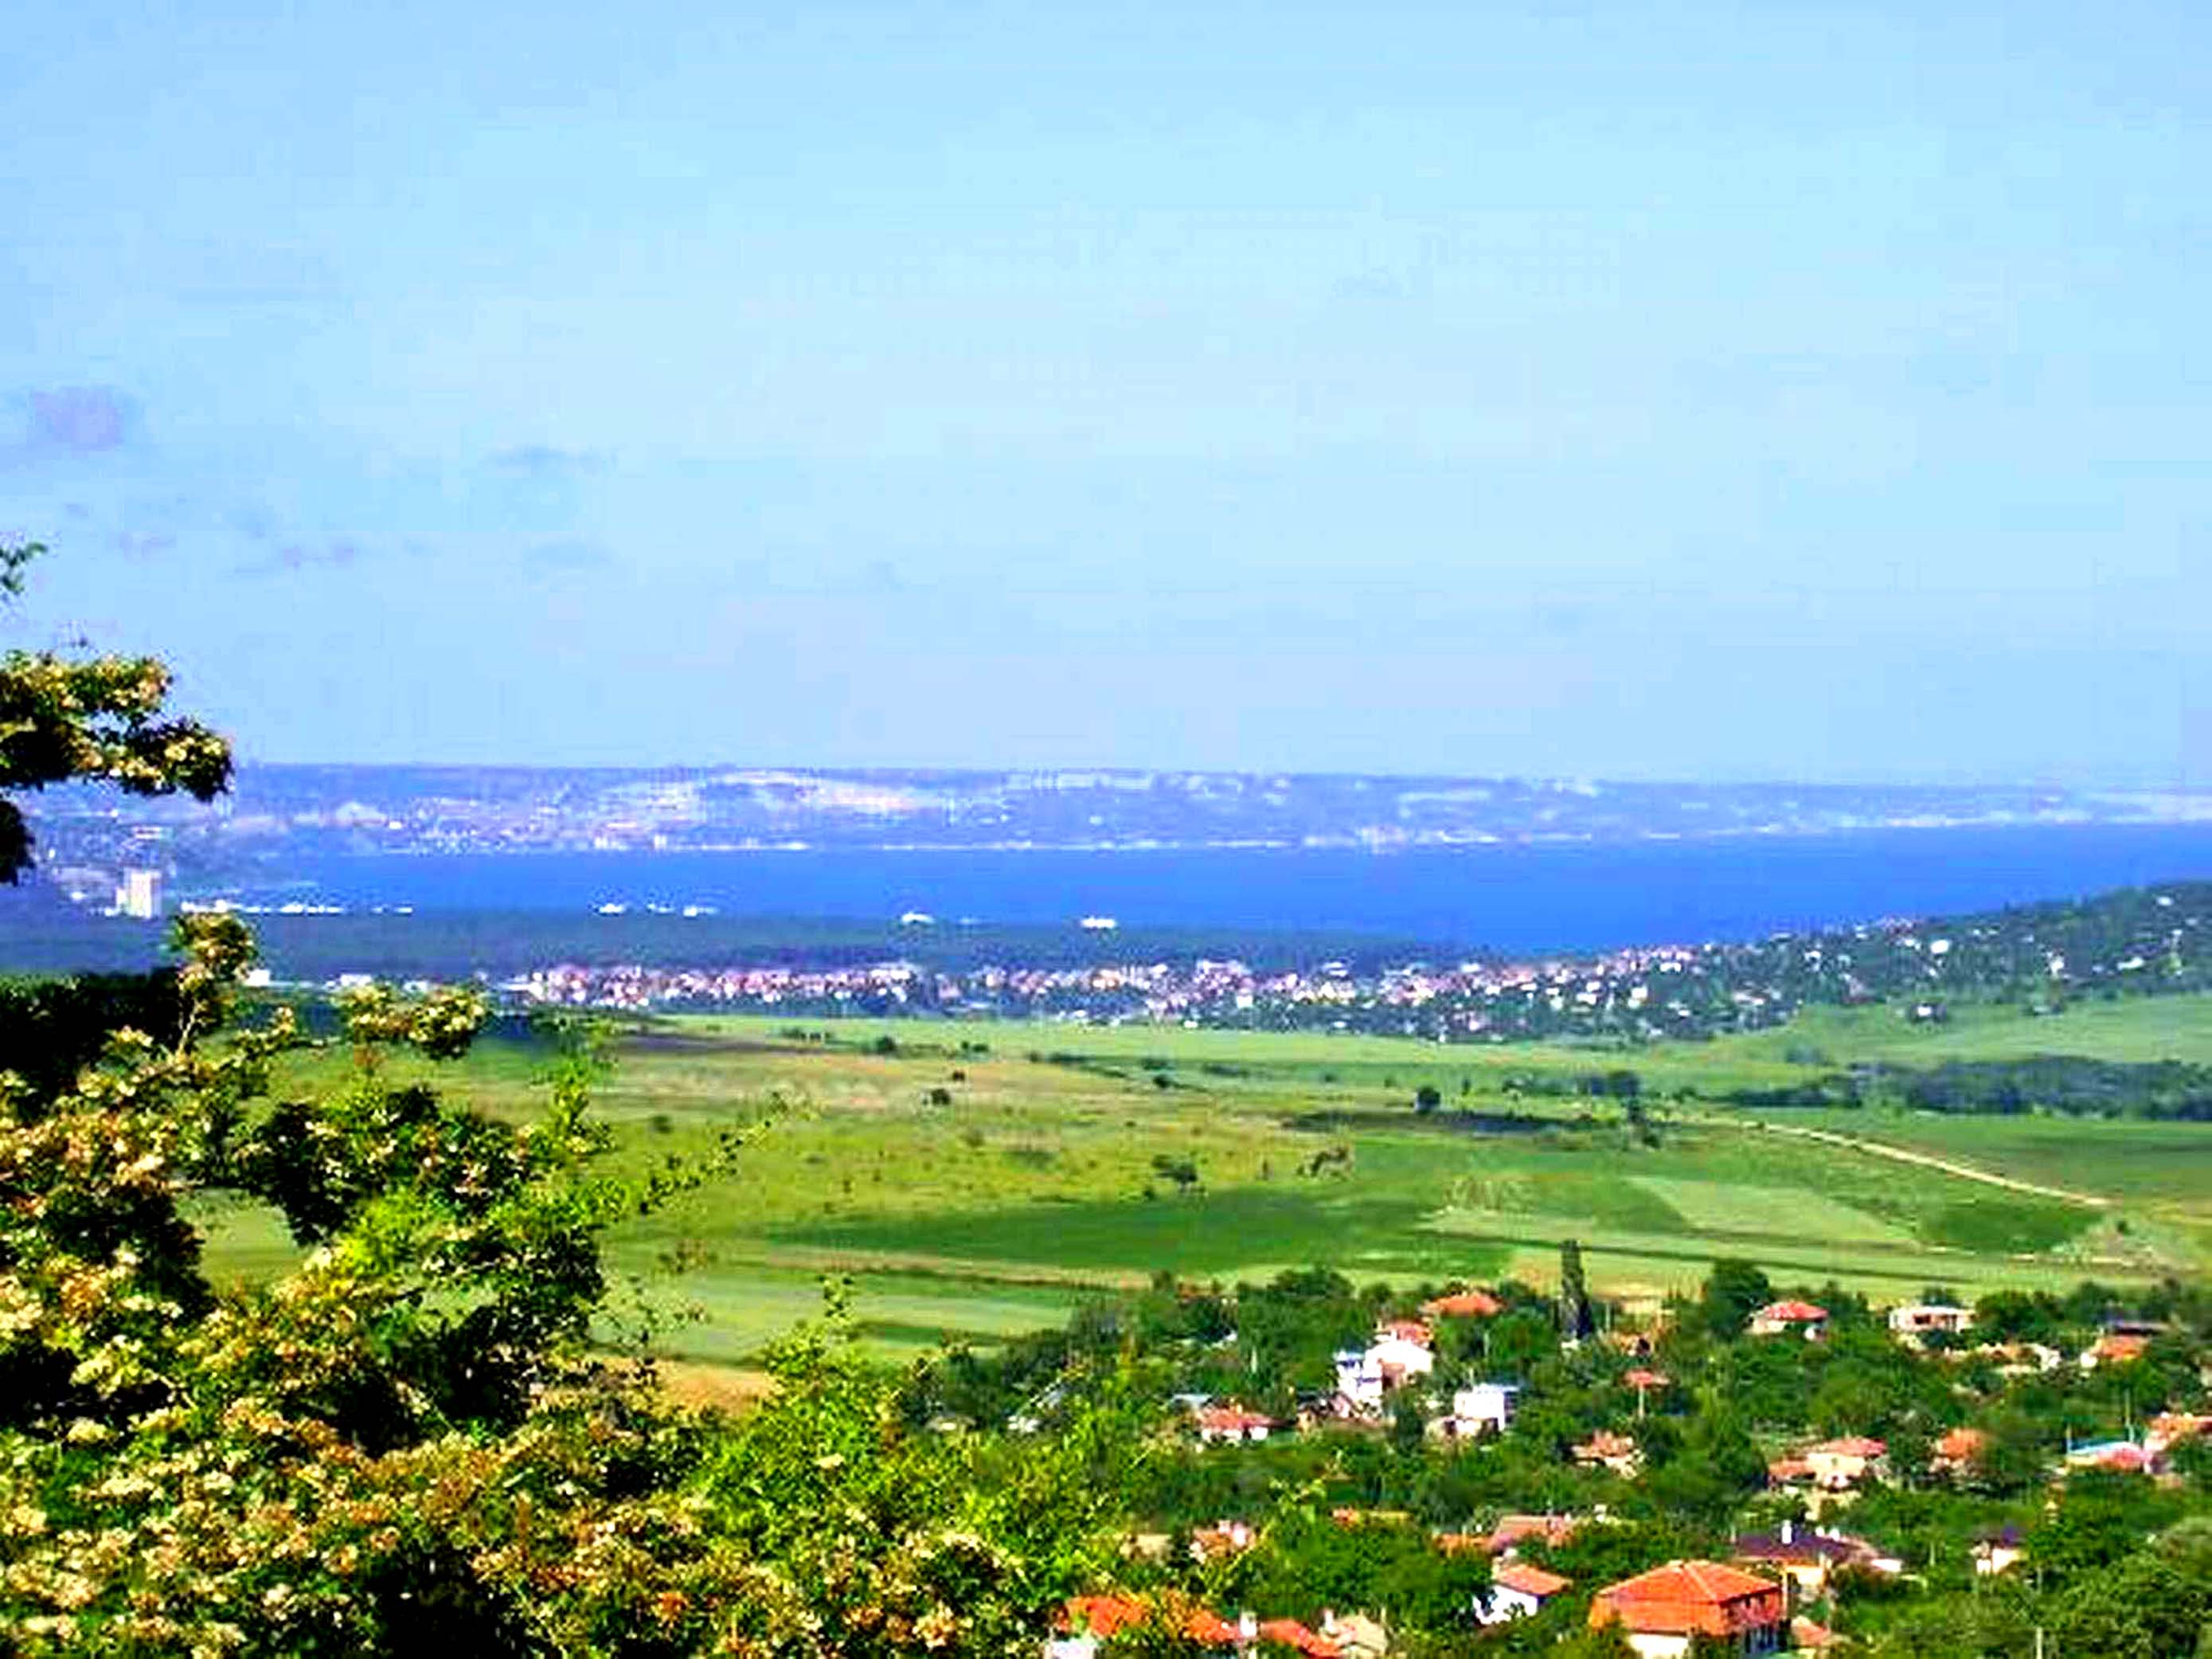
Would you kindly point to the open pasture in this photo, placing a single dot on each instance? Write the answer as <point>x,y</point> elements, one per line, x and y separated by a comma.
<point>978,1180</point>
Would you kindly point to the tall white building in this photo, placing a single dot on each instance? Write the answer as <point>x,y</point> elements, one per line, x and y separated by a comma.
<point>139,894</point>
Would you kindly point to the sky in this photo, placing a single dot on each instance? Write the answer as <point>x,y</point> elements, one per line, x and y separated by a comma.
<point>1659,390</point>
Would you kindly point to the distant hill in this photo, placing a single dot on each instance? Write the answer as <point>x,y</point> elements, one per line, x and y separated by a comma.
<point>280,811</point>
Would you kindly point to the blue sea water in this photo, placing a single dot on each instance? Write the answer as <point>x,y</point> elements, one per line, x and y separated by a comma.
<point>1518,899</point>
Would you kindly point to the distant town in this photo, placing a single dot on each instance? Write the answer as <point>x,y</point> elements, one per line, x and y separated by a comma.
<point>279,813</point>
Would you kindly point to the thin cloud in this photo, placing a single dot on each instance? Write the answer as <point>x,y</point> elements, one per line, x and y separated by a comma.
<point>142,544</point>
<point>85,419</point>
<point>297,558</point>
<point>568,555</point>
<point>548,460</point>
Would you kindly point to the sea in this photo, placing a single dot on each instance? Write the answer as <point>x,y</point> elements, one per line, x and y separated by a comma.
<point>1516,899</point>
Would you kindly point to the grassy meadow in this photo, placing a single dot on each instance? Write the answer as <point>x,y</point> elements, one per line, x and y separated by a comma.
<point>978,1180</point>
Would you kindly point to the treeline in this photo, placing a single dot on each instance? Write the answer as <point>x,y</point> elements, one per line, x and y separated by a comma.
<point>2169,1090</point>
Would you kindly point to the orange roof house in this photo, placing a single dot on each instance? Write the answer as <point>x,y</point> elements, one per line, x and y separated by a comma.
<point>1518,1590</point>
<point>1463,1304</point>
<point>1232,1423</point>
<point>2114,1350</point>
<point>1514,1530</point>
<point>1779,1318</point>
<point>1297,1638</point>
<point>1660,1611</point>
<point>2171,1428</point>
<point>1405,1330</point>
<point>1959,1448</point>
<point>1839,1465</point>
<point>1102,1615</point>
<point>1606,1449</point>
<point>1529,1579</point>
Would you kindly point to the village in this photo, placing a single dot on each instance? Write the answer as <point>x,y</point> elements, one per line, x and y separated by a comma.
<point>1826,1523</point>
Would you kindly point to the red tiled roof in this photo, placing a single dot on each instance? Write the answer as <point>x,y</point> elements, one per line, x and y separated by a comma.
<point>1605,1444</point>
<point>1296,1637</point>
<point>1204,1626</point>
<point>2121,1347</point>
<point>1960,1444</point>
<point>2128,1458</point>
<point>1792,1313</point>
<point>1102,1615</point>
<point>1851,1445</point>
<point>1513,1530</point>
<point>1405,1330</point>
<point>1232,1418</point>
<point>1684,1597</point>
<point>1530,1580</point>
<point>1463,1304</point>
<point>1782,1470</point>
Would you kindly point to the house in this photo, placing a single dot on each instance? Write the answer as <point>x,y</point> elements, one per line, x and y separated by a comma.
<point>2116,1457</point>
<point>1787,1472</point>
<point>1514,1530</point>
<point>1999,1552</point>
<point>1844,1464</point>
<point>1462,1305</point>
<point>1088,1620</point>
<point>2021,1358</point>
<point>2169,1429</point>
<point>1290,1634</point>
<point>1224,1538</point>
<point>1356,1635</point>
<point>1805,1319</point>
<point>1807,1558</point>
<point>1957,1451</point>
<point>1662,1611</point>
<point>1486,1407</point>
<point>1518,1590</point>
<point>1231,1424</point>
<point>1917,1319</point>
<point>1401,1350</point>
<point>1608,1451</point>
<point>1810,1638</point>
<point>2114,1348</point>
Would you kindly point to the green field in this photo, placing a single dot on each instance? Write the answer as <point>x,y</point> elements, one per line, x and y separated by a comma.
<point>977,1192</point>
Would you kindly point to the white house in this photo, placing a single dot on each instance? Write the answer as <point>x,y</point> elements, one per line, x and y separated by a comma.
<point>1232,1425</point>
<point>1399,1352</point>
<point>1917,1318</point>
<point>1518,1590</point>
<point>1485,1407</point>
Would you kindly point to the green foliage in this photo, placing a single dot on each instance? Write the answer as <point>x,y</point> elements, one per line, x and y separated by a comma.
<point>1575,1317</point>
<point>98,718</point>
<point>1733,1291</point>
<point>411,1438</point>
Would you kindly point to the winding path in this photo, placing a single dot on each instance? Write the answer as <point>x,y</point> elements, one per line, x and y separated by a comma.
<point>1930,1161</point>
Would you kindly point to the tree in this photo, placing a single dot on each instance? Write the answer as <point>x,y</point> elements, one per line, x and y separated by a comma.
<point>94,718</point>
<point>1575,1319</point>
<point>413,1435</point>
<point>1182,1171</point>
<point>1733,1291</point>
<point>1426,1099</point>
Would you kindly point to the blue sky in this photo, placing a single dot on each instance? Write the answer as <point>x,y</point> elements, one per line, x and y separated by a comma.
<point>1644,391</point>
